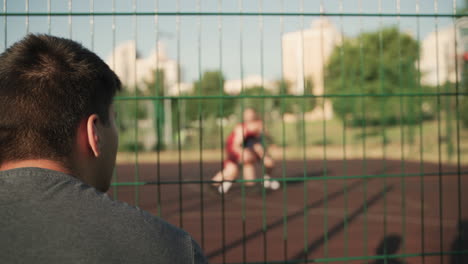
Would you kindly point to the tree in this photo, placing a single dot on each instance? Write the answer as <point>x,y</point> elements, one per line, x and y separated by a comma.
<point>129,111</point>
<point>464,99</point>
<point>211,84</point>
<point>298,104</point>
<point>464,78</point>
<point>464,8</point>
<point>374,66</point>
<point>158,88</point>
<point>256,97</point>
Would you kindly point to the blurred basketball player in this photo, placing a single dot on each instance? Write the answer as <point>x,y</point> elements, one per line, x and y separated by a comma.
<point>244,149</point>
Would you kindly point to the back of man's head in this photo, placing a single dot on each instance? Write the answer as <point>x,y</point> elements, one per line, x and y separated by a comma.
<point>47,86</point>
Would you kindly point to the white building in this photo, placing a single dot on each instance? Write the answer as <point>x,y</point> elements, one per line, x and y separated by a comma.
<point>133,70</point>
<point>438,57</point>
<point>439,54</point>
<point>235,86</point>
<point>305,56</point>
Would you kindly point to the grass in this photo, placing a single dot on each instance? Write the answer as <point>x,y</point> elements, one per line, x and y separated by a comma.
<point>329,140</point>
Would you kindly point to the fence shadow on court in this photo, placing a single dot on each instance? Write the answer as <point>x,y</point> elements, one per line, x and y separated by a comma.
<point>309,174</point>
<point>235,191</point>
<point>389,245</point>
<point>336,229</point>
<point>460,243</point>
<point>299,213</point>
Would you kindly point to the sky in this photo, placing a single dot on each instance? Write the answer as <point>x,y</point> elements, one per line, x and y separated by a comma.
<point>238,45</point>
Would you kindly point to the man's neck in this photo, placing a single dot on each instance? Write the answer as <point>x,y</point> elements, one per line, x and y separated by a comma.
<point>39,163</point>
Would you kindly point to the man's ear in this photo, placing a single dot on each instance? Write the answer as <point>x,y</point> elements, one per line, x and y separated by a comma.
<point>93,135</point>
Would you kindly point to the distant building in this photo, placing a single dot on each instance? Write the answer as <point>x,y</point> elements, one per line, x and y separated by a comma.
<point>235,86</point>
<point>305,55</point>
<point>439,55</point>
<point>135,71</point>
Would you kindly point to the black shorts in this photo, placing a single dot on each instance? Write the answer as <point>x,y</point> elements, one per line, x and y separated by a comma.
<point>249,142</point>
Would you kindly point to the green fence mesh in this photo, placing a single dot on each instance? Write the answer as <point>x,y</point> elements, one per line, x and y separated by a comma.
<point>364,103</point>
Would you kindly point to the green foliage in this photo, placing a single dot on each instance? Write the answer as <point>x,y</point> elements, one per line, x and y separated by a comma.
<point>297,104</point>
<point>129,146</point>
<point>211,84</point>
<point>464,8</point>
<point>260,99</point>
<point>464,99</point>
<point>128,110</point>
<point>375,66</point>
<point>464,111</point>
<point>158,88</point>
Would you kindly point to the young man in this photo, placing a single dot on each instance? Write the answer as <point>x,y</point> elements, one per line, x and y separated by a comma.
<point>244,147</point>
<point>58,143</point>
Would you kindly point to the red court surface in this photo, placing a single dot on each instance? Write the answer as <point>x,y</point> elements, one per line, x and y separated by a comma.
<point>315,219</point>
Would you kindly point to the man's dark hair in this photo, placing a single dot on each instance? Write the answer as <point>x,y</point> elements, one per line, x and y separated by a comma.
<point>47,86</point>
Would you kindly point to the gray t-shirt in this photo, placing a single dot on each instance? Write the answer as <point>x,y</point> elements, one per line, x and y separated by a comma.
<point>51,217</point>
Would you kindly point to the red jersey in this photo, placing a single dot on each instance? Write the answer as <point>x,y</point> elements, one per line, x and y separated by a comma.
<point>232,155</point>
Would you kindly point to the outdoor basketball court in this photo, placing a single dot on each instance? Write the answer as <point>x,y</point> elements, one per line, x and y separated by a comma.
<point>344,211</point>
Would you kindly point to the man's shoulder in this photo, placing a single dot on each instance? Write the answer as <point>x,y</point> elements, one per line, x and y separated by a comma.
<point>63,196</point>
<point>138,227</point>
<point>53,206</point>
<point>130,218</point>
<point>115,214</point>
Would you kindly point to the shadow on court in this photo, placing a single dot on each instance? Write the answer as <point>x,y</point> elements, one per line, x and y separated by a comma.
<point>235,191</point>
<point>278,223</point>
<point>460,243</point>
<point>390,245</point>
<point>309,174</point>
<point>313,245</point>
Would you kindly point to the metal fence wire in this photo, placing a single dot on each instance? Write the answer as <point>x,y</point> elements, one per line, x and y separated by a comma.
<point>364,108</point>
